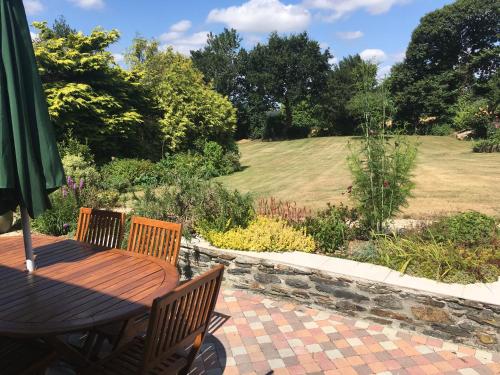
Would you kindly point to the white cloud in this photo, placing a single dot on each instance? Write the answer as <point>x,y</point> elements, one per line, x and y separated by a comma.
<point>181,26</point>
<point>350,35</point>
<point>374,55</point>
<point>187,43</point>
<point>383,71</point>
<point>176,31</point>
<point>34,36</point>
<point>335,9</point>
<point>398,57</point>
<point>119,58</point>
<point>181,42</point>
<point>89,4</point>
<point>33,6</point>
<point>333,60</point>
<point>262,16</point>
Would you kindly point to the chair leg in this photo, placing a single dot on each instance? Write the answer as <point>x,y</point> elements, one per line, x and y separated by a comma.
<point>192,354</point>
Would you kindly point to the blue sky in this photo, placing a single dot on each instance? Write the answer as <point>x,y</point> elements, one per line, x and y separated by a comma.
<point>377,29</point>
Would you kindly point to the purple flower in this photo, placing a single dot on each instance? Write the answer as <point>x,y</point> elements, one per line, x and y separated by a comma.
<point>65,226</point>
<point>64,192</point>
<point>69,181</point>
<point>81,184</point>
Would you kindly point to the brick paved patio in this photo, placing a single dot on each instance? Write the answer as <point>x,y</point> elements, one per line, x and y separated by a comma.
<point>257,335</point>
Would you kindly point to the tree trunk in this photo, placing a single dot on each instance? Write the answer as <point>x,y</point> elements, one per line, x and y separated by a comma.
<point>288,118</point>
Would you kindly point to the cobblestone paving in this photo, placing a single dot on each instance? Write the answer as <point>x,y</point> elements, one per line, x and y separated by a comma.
<point>258,335</point>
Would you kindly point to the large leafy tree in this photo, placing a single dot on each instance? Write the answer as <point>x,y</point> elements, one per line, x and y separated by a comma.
<point>222,63</point>
<point>191,111</point>
<point>346,82</point>
<point>88,94</point>
<point>454,49</point>
<point>285,72</point>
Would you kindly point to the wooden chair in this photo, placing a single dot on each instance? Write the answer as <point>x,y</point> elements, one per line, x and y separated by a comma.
<point>100,227</point>
<point>177,327</point>
<point>156,238</point>
<point>24,357</point>
<point>151,237</point>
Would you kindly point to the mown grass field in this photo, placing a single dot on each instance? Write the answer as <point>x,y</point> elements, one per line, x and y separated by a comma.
<point>449,176</point>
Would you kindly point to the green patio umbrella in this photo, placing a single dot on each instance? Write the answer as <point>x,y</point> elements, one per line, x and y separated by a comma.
<point>30,166</point>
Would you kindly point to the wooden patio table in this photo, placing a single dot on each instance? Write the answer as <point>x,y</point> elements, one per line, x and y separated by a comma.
<point>75,287</point>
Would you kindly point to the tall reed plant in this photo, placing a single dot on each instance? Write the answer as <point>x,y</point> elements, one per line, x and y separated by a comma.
<point>382,167</point>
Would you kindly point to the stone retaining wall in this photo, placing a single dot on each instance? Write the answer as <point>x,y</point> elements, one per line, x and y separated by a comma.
<point>450,318</point>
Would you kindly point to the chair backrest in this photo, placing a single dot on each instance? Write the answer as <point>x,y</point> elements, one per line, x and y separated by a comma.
<point>157,238</point>
<point>100,227</point>
<point>181,318</point>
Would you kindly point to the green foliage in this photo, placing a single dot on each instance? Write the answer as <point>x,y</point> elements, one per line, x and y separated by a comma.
<point>331,228</point>
<point>472,115</point>
<point>271,81</point>
<point>454,48</point>
<point>190,109</point>
<point>441,130</point>
<point>487,145</point>
<point>381,168</point>
<point>78,168</point>
<point>87,93</point>
<point>123,174</point>
<point>198,204</point>
<point>71,146</point>
<point>441,261</point>
<point>468,229</point>
<point>213,161</point>
<point>62,217</point>
<point>345,82</point>
<point>263,234</point>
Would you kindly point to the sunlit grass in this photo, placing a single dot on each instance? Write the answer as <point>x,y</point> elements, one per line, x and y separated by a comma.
<point>449,177</point>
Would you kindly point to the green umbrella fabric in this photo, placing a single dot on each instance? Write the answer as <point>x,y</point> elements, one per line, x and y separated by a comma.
<point>30,165</point>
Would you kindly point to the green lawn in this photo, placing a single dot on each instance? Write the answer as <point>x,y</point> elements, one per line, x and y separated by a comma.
<point>449,177</point>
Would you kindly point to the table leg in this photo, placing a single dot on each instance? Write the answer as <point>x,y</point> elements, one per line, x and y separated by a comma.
<point>67,352</point>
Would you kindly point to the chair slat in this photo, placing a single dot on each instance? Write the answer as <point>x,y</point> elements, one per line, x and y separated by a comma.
<point>156,238</point>
<point>176,327</point>
<point>100,227</point>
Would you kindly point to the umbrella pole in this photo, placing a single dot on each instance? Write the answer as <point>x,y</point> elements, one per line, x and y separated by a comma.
<point>28,247</point>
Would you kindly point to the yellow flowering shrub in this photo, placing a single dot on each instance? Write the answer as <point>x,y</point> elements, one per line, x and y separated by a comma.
<point>263,234</point>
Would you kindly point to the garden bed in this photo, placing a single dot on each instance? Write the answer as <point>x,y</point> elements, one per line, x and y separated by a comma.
<point>468,314</point>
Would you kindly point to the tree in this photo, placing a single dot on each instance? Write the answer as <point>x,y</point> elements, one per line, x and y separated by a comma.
<point>454,49</point>
<point>286,71</point>
<point>345,82</point>
<point>191,111</point>
<point>221,62</point>
<point>89,95</point>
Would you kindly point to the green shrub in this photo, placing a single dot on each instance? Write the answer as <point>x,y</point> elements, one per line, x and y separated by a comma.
<point>382,179</point>
<point>79,168</point>
<point>221,209</point>
<point>441,130</point>
<point>441,261</point>
<point>491,144</point>
<point>465,229</point>
<point>212,161</point>
<point>382,168</point>
<point>71,146</point>
<point>218,162</point>
<point>198,204</point>
<point>123,174</point>
<point>62,217</point>
<point>472,115</point>
<point>263,234</point>
<point>331,227</point>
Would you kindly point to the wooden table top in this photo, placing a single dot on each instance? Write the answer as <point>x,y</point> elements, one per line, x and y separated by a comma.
<point>75,286</point>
